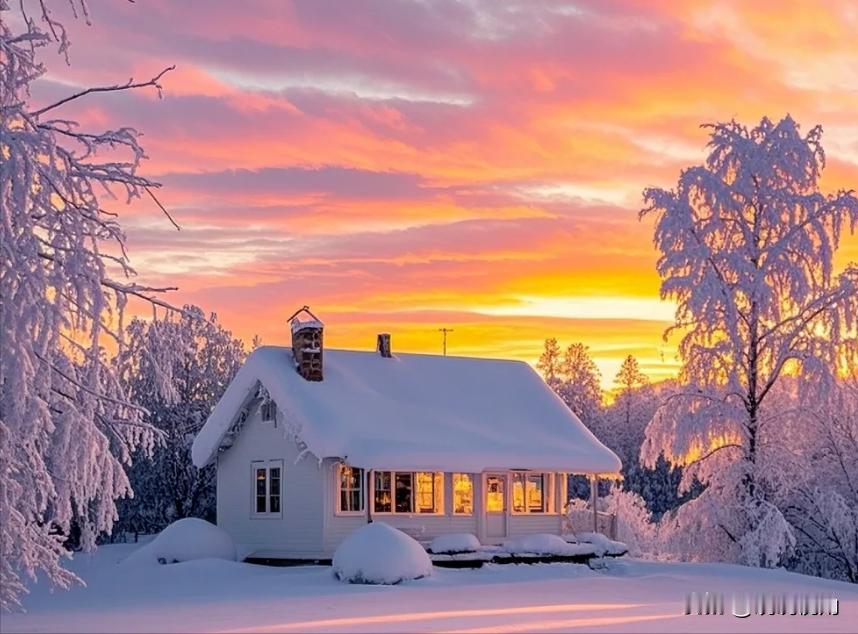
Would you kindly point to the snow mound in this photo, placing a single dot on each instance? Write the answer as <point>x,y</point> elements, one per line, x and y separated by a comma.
<point>185,540</point>
<point>380,554</point>
<point>604,546</point>
<point>454,543</point>
<point>540,544</point>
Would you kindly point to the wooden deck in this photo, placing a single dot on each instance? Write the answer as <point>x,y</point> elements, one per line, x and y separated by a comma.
<point>581,552</point>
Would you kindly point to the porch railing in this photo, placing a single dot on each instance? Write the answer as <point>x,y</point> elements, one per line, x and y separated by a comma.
<point>581,521</point>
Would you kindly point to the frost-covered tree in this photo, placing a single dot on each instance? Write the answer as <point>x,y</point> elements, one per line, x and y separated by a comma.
<point>66,424</point>
<point>550,363</point>
<point>204,358</point>
<point>579,384</point>
<point>747,242</point>
<point>819,491</point>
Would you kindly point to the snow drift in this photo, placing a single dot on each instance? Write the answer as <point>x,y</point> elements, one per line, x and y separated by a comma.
<point>185,540</point>
<point>602,545</point>
<point>380,554</point>
<point>540,544</point>
<point>454,543</point>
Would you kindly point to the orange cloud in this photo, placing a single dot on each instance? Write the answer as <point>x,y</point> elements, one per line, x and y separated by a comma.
<point>457,164</point>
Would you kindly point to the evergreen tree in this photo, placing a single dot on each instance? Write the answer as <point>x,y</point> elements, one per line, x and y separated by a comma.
<point>579,385</point>
<point>205,357</point>
<point>550,363</point>
<point>629,379</point>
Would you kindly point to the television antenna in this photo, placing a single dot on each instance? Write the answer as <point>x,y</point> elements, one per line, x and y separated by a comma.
<point>444,331</point>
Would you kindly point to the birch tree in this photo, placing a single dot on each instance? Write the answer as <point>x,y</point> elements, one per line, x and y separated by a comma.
<point>66,424</point>
<point>746,244</point>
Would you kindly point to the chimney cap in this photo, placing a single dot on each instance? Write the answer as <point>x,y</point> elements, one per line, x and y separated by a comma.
<point>296,322</point>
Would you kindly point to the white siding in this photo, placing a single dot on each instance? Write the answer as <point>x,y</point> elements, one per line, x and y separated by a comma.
<point>533,523</point>
<point>335,527</point>
<point>297,533</point>
<point>310,526</point>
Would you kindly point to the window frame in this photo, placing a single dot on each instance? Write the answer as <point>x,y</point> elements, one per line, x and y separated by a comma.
<point>471,479</point>
<point>268,412</point>
<point>547,492</point>
<point>338,491</point>
<point>268,466</point>
<point>439,487</point>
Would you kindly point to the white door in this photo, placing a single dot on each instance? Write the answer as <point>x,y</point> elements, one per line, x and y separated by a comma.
<point>495,506</point>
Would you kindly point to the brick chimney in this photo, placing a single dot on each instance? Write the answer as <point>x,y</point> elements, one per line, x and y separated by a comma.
<point>383,345</point>
<point>307,344</point>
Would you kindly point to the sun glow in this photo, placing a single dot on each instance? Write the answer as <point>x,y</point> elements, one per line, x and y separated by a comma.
<point>704,447</point>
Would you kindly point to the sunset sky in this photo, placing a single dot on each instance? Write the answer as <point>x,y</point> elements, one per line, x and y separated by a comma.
<point>475,165</point>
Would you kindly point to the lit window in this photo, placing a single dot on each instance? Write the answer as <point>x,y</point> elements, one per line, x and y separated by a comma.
<point>463,494</point>
<point>495,502</point>
<point>267,487</point>
<point>406,492</point>
<point>383,492</point>
<point>528,493</point>
<point>430,488</point>
<point>536,498</point>
<point>351,489</point>
<point>261,490</point>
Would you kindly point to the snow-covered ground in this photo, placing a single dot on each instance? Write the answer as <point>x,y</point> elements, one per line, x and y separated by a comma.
<point>216,595</point>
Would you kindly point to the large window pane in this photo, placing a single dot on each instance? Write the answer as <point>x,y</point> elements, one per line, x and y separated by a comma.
<point>495,495</point>
<point>383,492</point>
<point>536,493</point>
<point>519,493</point>
<point>404,493</point>
<point>429,488</point>
<point>261,490</point>
<point>463,493</point>
<point>274,490</point>
<point>351,489</point>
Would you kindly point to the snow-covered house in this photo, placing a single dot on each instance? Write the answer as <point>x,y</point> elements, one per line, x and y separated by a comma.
<point>312,443</point>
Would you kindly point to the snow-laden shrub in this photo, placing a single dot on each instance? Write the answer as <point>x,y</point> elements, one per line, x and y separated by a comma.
<point>380,554</point>
<point>635,527</point>
<point>539,544</point>
<point>454,543</point>
<point>603,545</point>
<point>771,539</point>
<point>187,539</point>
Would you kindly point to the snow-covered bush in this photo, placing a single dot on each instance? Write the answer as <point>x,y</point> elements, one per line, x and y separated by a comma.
<point>187,539</point>
<point>634,524</point>
<point>602,545</point>
<point>770,540</point>
<point>454,543</point>
<point>539,544</point>
<point>380,554</point>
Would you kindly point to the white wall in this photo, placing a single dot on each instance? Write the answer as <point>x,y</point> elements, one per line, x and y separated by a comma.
<point>297,533</point>
<point>309,526</point>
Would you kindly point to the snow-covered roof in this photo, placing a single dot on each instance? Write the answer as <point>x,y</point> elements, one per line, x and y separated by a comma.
<point>415,411</point>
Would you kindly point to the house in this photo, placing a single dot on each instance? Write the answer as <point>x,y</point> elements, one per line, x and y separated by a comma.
<point>312,443</point>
